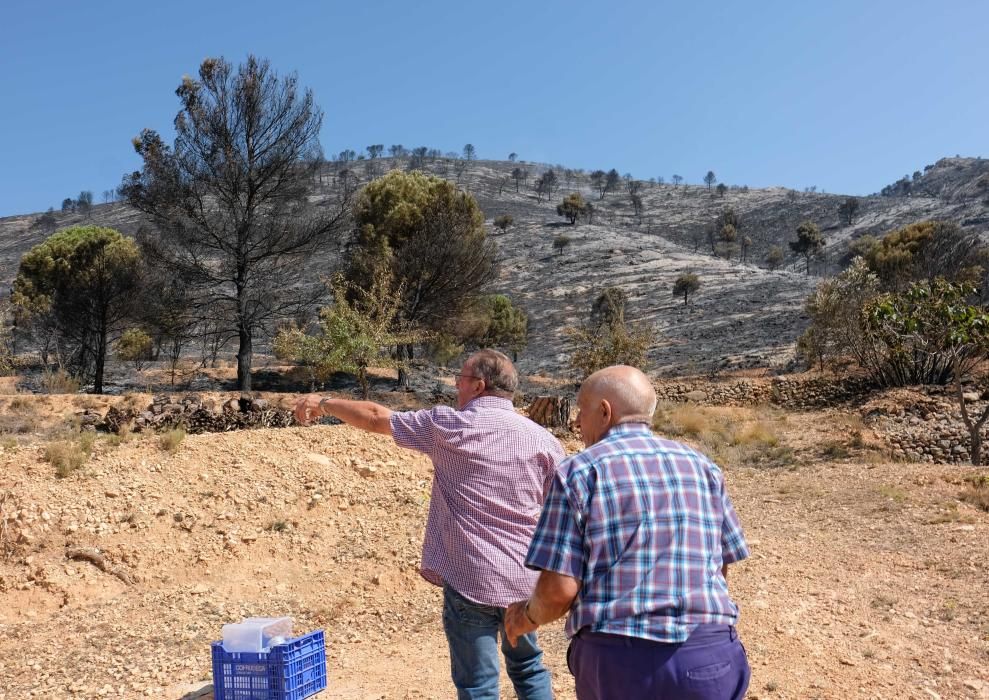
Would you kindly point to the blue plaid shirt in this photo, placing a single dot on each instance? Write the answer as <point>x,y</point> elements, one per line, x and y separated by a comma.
<point>644,524</point>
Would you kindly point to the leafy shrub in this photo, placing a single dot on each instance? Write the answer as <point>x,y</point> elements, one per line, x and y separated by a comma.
<point>135,346</point>
<point>560,242</point>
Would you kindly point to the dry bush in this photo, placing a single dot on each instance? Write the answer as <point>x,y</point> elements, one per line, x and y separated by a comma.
<point>59,382</point>
<point>835,449</point>
<point>19,424</point>
<point>171,440</point>
<point>123,434</point>
<point>66,456</point>
<point>977,491</point>
<point>18,403</point>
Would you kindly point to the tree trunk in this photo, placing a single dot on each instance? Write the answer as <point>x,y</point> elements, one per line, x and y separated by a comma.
<point>100,363</point>
<point>245,355</point>
<point>100,353</point>
<point>403,373</point>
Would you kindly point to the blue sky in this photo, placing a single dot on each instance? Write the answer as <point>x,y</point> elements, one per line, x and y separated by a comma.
<point>847,96</point>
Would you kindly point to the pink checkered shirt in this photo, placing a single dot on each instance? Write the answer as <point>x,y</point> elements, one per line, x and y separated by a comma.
<point>492,469</point>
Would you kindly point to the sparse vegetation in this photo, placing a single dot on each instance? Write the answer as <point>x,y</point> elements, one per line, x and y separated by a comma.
<point>69,454</point>
<point>729,437</point>
<point>573,208</point>
<point>774,259</point>
<point>560,242</point>
<point>685,285</point>
<point>135,346</point>
<point>607,338</point>
<point>355,333</point>
<point>171,440</point>
<point>59,382</point>
<point>809,243</point>
<point>977,491</point>
<point>503,222</point>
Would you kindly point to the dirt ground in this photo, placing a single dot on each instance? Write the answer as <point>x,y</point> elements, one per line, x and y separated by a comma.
<point>867,579</point>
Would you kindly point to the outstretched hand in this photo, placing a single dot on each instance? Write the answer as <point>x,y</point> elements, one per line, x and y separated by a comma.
<point>307,409</point>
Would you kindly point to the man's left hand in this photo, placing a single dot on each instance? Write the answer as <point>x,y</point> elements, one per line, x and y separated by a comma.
<point>517,623</point>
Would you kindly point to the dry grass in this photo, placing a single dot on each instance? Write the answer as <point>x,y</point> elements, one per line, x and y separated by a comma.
<point>730,437</point>
<point>977,491</point>
<point>69,455</point>
<point>59,382</point>
<point>18,404</point>
<point>172,440</point>
<point>23,424</point>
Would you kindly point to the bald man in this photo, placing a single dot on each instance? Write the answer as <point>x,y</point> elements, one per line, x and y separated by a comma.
<point>634,541</point>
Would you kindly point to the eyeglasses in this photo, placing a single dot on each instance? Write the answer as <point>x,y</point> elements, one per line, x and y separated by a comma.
<point>467,376</point>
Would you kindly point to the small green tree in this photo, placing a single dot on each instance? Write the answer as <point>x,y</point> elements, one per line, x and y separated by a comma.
<point>722,189</point>
<point>607,339</point>
<point>356,332</point>
<point>774,259</point>
<point>431,238</point>
<point>559,243</point>
<point>685,285</point>
<point>923,251</point>
<point>572,207</point>
<point>710,178</point>
<point>496,323</point>
<point>134,345</point>
<point>835,308</point>
<point>931,330</point>
<point>810,241</point>
<point>82,283</point>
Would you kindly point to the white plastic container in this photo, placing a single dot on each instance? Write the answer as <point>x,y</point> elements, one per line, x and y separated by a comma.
<point>256,634</point>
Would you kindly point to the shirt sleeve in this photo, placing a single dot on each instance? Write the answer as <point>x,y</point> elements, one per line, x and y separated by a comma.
<point>558,542</point>
<point>551,458</point>
<point>415,430</point>
<point>733,546</point>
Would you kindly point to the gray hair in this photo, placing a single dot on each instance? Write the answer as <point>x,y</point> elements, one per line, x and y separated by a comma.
<point>497,371</point>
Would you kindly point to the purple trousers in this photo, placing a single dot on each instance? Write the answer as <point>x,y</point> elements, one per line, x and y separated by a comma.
<point>710,665</point>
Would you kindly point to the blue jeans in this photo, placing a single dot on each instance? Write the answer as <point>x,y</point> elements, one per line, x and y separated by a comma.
<point>472,632</point>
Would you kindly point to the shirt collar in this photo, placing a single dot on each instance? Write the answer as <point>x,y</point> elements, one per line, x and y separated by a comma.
<point>628,429</point>
<point>490,402</point>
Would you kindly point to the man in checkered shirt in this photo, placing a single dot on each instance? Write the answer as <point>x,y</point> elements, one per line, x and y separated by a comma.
<point>491,471</point>
<point>635,541</point>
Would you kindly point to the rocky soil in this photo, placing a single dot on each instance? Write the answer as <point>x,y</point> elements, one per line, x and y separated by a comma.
<point>867,578</point>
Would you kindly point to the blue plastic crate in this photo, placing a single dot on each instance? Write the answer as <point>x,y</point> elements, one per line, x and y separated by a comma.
<point>290,671</point>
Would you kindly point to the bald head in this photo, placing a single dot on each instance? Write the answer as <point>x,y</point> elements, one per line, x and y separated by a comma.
<point>626,389</point>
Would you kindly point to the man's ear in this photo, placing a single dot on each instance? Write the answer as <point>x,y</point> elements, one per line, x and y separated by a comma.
<point>606,412</point>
